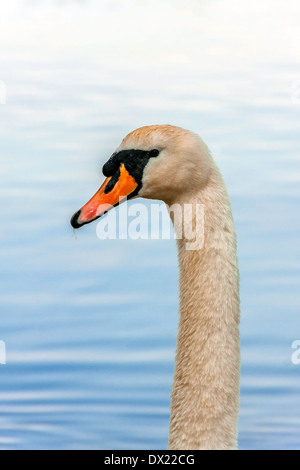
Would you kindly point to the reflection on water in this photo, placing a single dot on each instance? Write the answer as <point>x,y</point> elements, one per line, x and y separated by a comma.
<point>90,326</point>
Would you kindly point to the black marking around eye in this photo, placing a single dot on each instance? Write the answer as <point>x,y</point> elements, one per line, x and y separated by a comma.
<point>134,161</point>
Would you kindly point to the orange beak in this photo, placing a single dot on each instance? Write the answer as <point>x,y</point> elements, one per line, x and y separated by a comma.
<point>105,199</point>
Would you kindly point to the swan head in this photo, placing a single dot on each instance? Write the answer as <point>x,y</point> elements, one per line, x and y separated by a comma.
<point>155,162</point>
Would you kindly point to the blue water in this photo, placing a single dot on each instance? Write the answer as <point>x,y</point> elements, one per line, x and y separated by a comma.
<point>89,325</point>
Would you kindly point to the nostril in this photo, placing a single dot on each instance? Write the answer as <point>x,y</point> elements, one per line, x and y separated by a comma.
<point>113,181</point>
<point>74,220</point>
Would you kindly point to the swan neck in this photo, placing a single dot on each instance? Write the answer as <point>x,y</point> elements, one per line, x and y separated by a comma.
<point>205,397</point>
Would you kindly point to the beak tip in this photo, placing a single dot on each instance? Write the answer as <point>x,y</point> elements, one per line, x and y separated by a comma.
<point>74,221</point>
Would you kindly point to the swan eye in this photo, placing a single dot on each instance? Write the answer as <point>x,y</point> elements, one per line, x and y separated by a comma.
<point>154,153</point>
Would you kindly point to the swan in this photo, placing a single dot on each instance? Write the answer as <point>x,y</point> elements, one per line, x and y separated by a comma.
<point>174,165</point>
